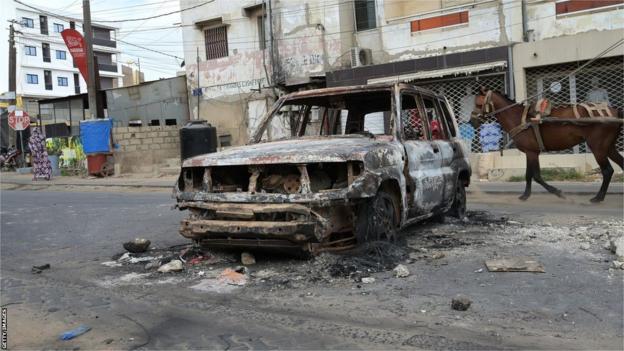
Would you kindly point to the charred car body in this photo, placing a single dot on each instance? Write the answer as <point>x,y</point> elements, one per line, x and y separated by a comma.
<point>356,164</point>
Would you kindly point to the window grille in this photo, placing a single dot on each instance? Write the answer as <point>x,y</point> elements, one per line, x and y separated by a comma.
<point>216,42</point>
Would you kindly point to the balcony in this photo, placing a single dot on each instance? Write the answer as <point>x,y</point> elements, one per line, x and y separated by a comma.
<point>104,42</point>
<point>107,67</point>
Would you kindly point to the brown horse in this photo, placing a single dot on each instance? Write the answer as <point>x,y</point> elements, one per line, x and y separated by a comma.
<point>556,136</point>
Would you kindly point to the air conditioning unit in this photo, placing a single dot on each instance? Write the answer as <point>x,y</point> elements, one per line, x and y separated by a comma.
<point>361,57</point>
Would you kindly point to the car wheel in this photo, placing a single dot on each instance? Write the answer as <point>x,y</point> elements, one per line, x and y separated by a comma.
<point>378,219</point>
<point>458,209</point>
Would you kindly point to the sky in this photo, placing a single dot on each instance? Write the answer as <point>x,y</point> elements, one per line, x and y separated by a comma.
<point>159,34</point>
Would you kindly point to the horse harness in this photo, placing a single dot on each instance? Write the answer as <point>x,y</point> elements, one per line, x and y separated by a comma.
<point>542,108</point>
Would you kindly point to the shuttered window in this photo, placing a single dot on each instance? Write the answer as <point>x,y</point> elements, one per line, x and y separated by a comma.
<point>564,7</point>
<point>216,42</point>
<point>440,21</point>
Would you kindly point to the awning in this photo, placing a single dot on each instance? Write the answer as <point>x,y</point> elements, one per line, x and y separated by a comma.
<point>454,71</point>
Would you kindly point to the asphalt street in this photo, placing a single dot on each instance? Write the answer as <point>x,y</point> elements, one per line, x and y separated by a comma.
<point>576,304</point>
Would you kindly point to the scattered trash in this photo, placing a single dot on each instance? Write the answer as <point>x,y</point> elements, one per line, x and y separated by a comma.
<point>39,269</point>
<point>401,271</point>
<point>233,277</point>
<point>264,274</point>
<point>247,259</point>
<point>368,280</point>
<point>68,335</point>
<point>618,264</point>
<point>617,246</point>
<point>513,222</point>
<point>152,265</point>
<point>111,264</point>
<point>480,270</point>
<point>108,341</point>
<point>171,266</point>
<point>584,246</point>
<point>514,264</point>
<point>138,245</point>
<point>438,255</point>
<point>460,303</point>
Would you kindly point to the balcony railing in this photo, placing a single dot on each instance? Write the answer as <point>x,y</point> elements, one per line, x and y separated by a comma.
<point>105,42</point>
<point>107,67</point>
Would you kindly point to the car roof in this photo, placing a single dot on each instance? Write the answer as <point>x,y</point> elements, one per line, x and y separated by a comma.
<point>355,89</point>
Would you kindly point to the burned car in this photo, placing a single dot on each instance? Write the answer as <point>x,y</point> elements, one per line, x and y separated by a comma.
<point>329,169</point>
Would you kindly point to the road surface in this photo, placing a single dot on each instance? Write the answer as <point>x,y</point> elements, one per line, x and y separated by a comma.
<point>576,304</point>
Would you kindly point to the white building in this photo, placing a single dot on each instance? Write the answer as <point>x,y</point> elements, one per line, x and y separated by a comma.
<point>45,67</point>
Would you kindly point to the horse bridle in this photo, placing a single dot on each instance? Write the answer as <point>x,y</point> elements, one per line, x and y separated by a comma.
<point>486,108</point>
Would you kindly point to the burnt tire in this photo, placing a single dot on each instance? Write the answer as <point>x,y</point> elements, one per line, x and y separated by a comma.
<point>458,208</point>
<point>378,219</point>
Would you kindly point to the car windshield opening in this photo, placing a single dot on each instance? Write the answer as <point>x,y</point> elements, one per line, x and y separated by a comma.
<point>360,113</point>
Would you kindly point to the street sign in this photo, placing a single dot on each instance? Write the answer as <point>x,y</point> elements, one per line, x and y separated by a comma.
<point>19,120</point>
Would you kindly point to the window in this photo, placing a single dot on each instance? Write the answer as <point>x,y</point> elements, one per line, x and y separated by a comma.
<point>46,52</point>
<point>28,22</point>
<point>32,79</point>
<point>43,24</point>
<point>436,124</point>
<point>62,81</point>
<point>58,27</point>
<point>365,14</point>
<point>61,55</point>
<point>440,21</point>
<point>47,77</point>
<point>30,51</point>
<point>262,23</point>
<point>448,119</point>
<point>411,119</point>
<point>216,42</point>
<point>564,7</point>
<point>76,83</point>
<point>72,24</point>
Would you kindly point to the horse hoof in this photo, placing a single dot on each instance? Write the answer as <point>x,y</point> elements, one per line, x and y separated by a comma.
<point>523,197</point>
<point>560,195</point>
<point>596,200</point>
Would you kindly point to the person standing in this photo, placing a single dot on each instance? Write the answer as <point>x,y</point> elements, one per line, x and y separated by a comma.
<point>42,168</point>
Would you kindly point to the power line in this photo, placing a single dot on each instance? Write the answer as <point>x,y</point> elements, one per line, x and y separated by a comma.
<point>156,16</point>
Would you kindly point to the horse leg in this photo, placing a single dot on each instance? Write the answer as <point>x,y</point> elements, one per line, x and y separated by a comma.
<point>529,179</point>
<point>607,172</point>
<point>616,157</point>
<point>538,177</point>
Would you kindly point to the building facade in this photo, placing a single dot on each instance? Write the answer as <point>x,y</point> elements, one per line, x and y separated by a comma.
<point>519,47</point>
<point>45,68</point>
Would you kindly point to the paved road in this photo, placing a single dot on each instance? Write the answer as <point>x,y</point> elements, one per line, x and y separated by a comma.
<point>576,304</point>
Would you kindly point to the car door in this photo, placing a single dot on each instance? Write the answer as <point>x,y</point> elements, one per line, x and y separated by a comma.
<point>442,140</point>
<point>424,160</point>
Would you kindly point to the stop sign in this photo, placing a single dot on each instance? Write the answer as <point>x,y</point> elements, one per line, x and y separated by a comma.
<point>19,120</point>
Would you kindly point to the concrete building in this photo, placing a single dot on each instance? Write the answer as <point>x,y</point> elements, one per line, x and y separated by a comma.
<point>45,67</point>
<point>131,76</point>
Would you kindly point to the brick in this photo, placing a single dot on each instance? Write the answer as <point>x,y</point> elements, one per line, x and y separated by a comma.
<point>159,140</point>
<point>144,147</point>
<point>130,148</point>
<point>147,141</point>
<point>155,147</point>
<point>163,134</point>
<point>123,142</point>
<point>152,134</point>
<point>120,130</point>
<point>135,141</point>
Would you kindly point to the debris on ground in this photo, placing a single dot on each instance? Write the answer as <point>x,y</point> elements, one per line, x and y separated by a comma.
<point>171,266</point>
<point>401,271</point>
<point>138,245</point>
<point>247,259</point>
<point>617,247</point>
<point>514,264</point>
<point>233,277</point>
<point>368,280</point>
<point>152,265</point>
<point>460,303</point>
<point>264,274</point>
<point>70,334</point>
<point>618,264</point>
<point>39,269</point>
<point>438,255</point>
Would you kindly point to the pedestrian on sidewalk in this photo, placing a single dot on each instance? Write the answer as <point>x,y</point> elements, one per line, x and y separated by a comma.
<point>42,168</point>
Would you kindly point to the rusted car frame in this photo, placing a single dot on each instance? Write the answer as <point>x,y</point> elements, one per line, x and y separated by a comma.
<point>317,193</point>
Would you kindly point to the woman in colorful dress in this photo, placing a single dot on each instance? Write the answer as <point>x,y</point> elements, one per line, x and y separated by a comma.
<point>42,168</point>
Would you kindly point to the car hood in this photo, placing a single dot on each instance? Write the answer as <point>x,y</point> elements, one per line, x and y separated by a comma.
<point>328,149</point>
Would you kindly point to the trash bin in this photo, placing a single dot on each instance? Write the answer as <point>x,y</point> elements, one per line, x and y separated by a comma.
<point>98,165</point>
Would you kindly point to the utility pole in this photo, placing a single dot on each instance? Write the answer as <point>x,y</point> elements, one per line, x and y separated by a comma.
<point>12,83</point>
<point>198,91</point>
<point>88,35</point>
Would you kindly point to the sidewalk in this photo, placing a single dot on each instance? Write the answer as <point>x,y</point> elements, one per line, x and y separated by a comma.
<point>167,182</point>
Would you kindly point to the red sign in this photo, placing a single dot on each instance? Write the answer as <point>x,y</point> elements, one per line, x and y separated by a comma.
<point>19,120</point>
<point>76,45</point>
